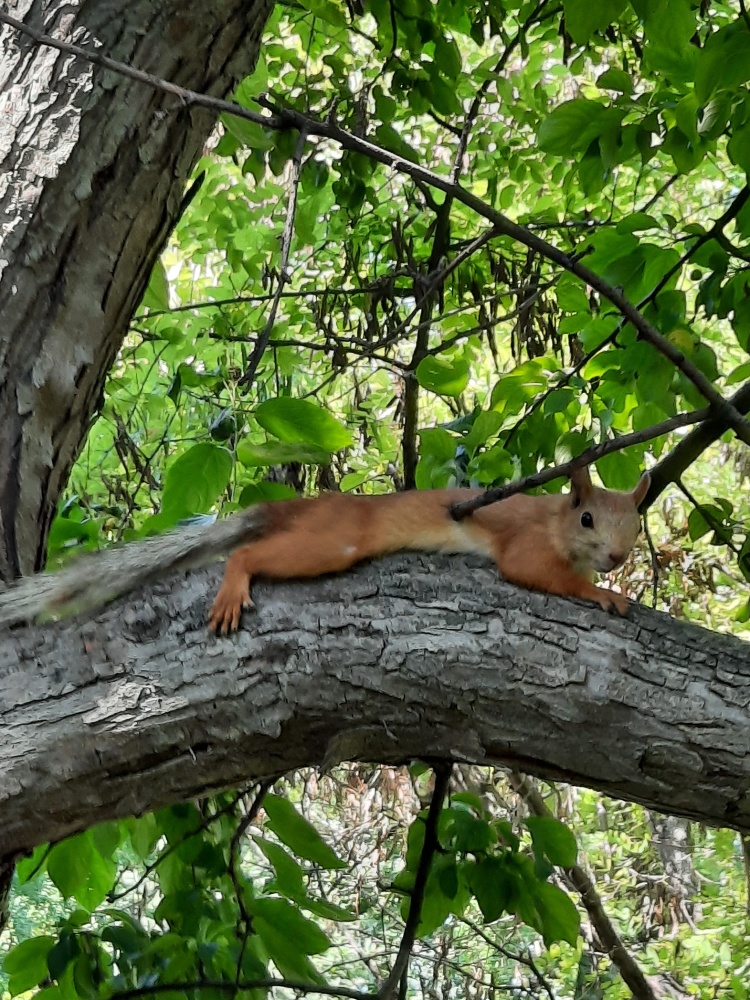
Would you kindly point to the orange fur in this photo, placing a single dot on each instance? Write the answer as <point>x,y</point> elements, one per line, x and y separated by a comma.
<point>538,542</point>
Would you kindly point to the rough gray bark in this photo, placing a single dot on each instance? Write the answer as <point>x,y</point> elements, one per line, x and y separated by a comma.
<point>408,657</point>
<point>92,174</point>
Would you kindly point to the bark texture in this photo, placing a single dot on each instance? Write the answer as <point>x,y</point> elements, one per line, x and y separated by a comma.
<point>407,657</point>
<point>92,174</point>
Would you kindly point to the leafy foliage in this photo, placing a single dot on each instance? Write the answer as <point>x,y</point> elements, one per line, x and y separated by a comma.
<point>414,345</point>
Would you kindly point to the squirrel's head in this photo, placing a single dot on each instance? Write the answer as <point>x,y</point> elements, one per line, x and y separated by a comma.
<point>604,524</point>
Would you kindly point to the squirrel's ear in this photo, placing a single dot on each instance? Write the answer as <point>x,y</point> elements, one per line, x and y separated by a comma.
<point>580,485</point>
<point>641,489</point>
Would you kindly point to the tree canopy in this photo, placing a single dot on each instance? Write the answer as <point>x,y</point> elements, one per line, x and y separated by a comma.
<point>445,243</point>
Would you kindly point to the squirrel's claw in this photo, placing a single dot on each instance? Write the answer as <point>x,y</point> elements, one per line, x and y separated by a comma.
<point>617,601</point>
<point>227,608</point>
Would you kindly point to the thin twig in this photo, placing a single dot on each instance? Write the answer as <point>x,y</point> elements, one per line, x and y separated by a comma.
<point>672,466</point>
<point>654,562</point>
<point>417,894</point>
<point>234,845</point>
<point>232,988</point>
<point>717,527</point>
<point>629,969</point>
<point>710,234</point>
<point>461,510</point>
<point>301,293</point>
<point>526,959</point>
<point>246,381</point>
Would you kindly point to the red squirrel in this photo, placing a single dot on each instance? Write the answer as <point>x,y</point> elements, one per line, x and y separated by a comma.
<point>553,543</point>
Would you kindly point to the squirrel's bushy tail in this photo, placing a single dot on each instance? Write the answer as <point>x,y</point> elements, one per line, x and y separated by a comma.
<point>97,578</point>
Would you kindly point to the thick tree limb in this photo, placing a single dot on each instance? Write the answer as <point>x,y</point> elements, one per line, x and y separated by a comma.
<point>407,657</point>
<point>691,447</point>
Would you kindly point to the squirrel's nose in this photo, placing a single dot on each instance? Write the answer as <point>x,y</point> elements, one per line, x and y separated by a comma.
<point>616,558</point>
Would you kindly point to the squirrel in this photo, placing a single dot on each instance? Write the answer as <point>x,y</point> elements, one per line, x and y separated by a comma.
<point>552,543</point>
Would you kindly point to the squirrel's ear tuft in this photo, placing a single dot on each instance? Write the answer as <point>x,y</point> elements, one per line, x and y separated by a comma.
<point>580,485</point>
<point>639,493</point>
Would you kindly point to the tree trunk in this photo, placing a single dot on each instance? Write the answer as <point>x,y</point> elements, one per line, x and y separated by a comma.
<point>92,173</point>
<point>408,657</point>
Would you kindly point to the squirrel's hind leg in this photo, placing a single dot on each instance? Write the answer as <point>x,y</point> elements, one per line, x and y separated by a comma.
<point>282,556</point>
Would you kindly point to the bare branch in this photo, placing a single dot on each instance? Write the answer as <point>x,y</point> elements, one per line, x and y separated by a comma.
<point>246,381</point>
<point>671,467</point>
<point>581,881</point>
<point>430,846</point>
<point>462,510</point>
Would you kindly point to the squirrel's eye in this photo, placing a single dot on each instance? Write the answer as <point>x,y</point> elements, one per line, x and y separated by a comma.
<point>587,520</point>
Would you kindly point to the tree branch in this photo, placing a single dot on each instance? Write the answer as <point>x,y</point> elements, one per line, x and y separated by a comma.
<point>581,881</point>
<point>417,894</point>
<point>671,467</point>
<point>407,657</point>
<point>461,510</point>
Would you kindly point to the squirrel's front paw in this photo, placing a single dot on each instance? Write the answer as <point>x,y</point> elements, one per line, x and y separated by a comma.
<point>611,600</point>
<point>227,608</point>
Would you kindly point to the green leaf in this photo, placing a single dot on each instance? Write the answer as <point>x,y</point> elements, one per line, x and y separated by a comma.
<point>491,885</point>
<point>670,24</point>
<point>636,222</point>
<point>738,148</point>
<point>442,376</point>
<point>195,480</point>
<point>620,470</point>
<point>298,421</point>
<point>468,833</point>
<point>724,61</point>
<point>448,57</point>
<point>560,918</point>
<point>686,116</point>
<point>553,840</point>
<point>33,866</point>
<point>289,937</point>
<point>263,491</point>
<point>574,125</point>
<point>326,10</point>
<point>446,893</point>
<point>352,480</point>
<point>438,443</point>
<point>685,154</point>
<point>79,870</point>
<point>485,426</point>
<point>254,455</point>
<point>614,79</point>
<point>583,17</point>
<point>156,296</point>
<point>298,835</point>
<point>249,133</point>
<point>698,526</point>
<point>64,953</point>
<point>26,963</point>
<point>289,880</point>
